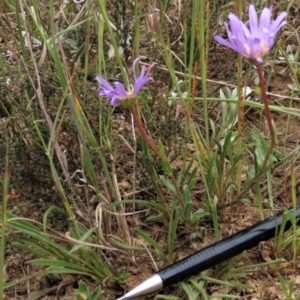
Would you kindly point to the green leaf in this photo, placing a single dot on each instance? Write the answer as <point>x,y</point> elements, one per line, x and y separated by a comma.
<point>150,241</point>
<point>198,215</point>
<point>150,204</point>
<point>62,270</point>
<point>190,292</point>
<point>161,148</point>
<point>166,167</point>
<point>169,297</point>
<point>49,211</point>
<point>83,292</point>
<point>181,213</point>
<point>168,184</point>
<point>70,28</point>
<point>59,263</point>
<point>126,247</point>
<point>155,218</point>
<point>23,279</point>
<point>97,293</point>
<point>187,202</point>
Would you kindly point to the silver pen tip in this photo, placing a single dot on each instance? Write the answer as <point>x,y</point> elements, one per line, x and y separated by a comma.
<point>151,285</point>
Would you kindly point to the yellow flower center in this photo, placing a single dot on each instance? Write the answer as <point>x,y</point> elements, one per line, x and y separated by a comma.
<point>247,48</point>
<point>264,47</point>
<point>257,55</point>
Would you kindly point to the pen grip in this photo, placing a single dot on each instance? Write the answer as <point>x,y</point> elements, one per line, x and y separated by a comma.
<point>225,249</point>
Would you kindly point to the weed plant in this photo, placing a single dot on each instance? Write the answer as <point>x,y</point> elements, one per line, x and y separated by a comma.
<point>112,194</point>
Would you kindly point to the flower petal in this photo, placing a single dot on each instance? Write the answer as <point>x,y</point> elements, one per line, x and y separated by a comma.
<point>278,23</point>
<point>256,49</point>
<point>142,75</point>
<point>253,21</point>
<point>118,94</point>
<point>120,90</point>
<point>236,27</point>
<point>133,67</point>
<point>265,20</point>
<point>104,83</point>
<point>150,68</point>
<point>141,81</point>
<point>114,102</point>
<point>102,91</point>
<point>257,41</point>
<point>225,43</point>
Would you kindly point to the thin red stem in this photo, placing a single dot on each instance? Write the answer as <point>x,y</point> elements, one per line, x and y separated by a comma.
<point>143,133</point>
<point>271,128</point>
<point>266,104</point>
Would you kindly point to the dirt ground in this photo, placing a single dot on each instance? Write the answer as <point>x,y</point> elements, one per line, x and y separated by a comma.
<point>35,193</point>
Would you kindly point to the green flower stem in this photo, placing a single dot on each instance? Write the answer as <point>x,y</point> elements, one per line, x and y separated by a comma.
<point>153,147</point>
<point>271,128</point>
<point>240,111</point>
<point>240,125</point>
<point>203,62</point>
<point>3,208</point>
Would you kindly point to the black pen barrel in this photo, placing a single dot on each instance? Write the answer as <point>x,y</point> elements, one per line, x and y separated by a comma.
<point>225,249</point>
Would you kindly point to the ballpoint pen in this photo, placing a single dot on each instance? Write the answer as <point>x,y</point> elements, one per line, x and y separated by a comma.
<point>213,254</point>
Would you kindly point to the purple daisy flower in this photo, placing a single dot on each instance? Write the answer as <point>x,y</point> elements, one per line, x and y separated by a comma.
<point>118,95</point>
<point>257,41</point>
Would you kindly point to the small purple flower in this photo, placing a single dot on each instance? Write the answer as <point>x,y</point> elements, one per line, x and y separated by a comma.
<point>257,41</point>
<point>118,95</point>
